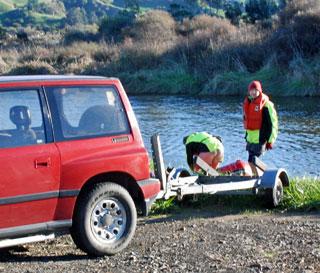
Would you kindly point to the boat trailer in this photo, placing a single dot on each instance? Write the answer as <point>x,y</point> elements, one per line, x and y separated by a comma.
<point>179,183</point>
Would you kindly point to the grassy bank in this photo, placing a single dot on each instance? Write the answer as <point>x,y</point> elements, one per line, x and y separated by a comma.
<point>303,195</point>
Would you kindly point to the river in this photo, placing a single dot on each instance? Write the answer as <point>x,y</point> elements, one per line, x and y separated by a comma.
<point>297,148</point>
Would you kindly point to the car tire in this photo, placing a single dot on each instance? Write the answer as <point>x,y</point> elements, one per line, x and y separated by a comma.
<point>105,220</point>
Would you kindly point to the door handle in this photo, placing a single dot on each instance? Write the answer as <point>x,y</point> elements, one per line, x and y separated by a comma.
<point>42,163</point>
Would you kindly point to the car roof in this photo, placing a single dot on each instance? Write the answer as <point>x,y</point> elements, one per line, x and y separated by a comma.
<point>39,78</point>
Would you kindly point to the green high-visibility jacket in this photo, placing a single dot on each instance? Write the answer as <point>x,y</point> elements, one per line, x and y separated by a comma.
<point>269,127</point>
<point>213,143</point>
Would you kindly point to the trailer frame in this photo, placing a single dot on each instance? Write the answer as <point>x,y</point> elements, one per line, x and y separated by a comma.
<point>267,182</point>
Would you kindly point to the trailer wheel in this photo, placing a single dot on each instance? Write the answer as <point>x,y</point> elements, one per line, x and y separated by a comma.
<point>274,195</point>
<point>105,220</point>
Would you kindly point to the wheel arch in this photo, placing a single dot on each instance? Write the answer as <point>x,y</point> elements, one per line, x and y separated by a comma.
<point>123,179</point>
<point>270,177</point>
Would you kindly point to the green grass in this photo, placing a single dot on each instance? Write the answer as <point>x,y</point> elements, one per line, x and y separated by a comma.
<point>299,79</point>
<point>11,3</point>
<point>156,81</point>
<point>164,206</point>
<point>303,194</point>
<point>40,18</point>
<point>5,6</point>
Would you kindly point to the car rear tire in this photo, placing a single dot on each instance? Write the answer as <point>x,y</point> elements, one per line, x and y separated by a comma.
<point>105,220</point>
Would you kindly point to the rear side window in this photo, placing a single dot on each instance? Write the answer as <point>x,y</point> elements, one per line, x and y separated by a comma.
<point>21,120</point>
<point>87,112</point>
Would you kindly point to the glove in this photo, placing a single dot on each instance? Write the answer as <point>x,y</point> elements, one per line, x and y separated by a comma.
<point>269,146</point>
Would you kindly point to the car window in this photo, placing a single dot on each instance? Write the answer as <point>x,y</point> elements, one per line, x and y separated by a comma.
<point>21,120</point>
<point>89,111</point>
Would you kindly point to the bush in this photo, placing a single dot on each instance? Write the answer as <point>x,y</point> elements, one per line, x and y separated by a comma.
<point>296,7</point>
<point>200,23</point>
<point>260,9</point>
<point>33,68</point>
<point>107,53</point>
<point>77,35</point>
<point>52,7</point>
<point>153,26</point>
<point>110,28</point>
<point>233,11</point>
<point>3,66</point>
<point>298,33</point>
<point>205,46</point>
<point>135,58</point>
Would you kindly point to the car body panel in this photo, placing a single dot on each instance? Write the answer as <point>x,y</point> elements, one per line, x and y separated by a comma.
<point>40,183</point>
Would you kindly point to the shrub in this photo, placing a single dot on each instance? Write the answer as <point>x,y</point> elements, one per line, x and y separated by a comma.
<point>153,26</point>
<point>135,58</point>
<point>52,7</point>
<point>207,23</point>
<point>260,9</point>
<point>295,7</point>
<point>300,35</point>
<point>107,53</point>
<point>3,66</point>
<point>33,68</point>
<point>76,35</point>
<point>205,47</point>
<point>76,53</point>
<point>233,11</point>
<point>110,28</point>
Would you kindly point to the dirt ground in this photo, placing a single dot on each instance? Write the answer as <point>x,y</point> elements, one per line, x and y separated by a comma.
<point>196,242</point>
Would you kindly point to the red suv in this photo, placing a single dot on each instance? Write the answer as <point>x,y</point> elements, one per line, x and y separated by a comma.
<point>71,159</point>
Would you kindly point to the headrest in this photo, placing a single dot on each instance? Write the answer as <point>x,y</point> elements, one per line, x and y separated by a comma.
<point>20,115</point>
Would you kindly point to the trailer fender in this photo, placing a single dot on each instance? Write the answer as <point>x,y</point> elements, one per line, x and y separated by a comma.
<point>269,178</point>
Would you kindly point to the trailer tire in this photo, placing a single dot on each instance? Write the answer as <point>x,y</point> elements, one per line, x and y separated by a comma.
<point>274,195</point>
<point>105,220</point>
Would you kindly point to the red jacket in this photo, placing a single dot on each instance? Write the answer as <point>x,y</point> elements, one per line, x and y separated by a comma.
<point>252,111</point>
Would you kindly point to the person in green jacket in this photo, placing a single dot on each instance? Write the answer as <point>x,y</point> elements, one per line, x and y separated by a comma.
<point>208,147</point>
<point>260,121</point>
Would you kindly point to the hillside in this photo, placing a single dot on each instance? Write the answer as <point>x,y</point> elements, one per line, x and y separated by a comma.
<point>47,13</point>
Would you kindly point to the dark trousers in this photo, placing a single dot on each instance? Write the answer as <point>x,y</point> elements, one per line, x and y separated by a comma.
<point>255,150</point>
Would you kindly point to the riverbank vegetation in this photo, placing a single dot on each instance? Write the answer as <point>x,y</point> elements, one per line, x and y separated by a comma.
<point>158,52</point>
<point>303,195</point>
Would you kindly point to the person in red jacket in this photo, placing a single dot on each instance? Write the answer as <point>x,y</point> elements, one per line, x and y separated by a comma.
<point>260,121</point>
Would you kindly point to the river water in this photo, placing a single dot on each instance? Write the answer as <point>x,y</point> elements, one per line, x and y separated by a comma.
<point>297,148</point>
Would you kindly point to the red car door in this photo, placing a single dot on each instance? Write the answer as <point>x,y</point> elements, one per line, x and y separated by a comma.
<point>29,161</point>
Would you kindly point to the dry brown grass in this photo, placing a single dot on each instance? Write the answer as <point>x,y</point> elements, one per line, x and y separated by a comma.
<point>153,27</point>
<point>33,68</point>
<point>298,7</point>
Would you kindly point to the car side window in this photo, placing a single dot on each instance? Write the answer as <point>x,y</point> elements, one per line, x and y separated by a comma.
<point>89,111</point>
<point>21,120</point>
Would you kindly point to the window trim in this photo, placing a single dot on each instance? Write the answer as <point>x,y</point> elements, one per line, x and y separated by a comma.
<point>54,113</point>
<point>43,109</point>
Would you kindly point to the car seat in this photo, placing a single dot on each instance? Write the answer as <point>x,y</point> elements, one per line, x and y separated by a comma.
<point>99,119</point>
<point>21,117</point>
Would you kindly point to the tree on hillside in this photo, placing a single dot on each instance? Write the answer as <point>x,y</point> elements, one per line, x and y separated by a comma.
<point>110,28</point>
<point>179,12</point>
<point>54,7</point>
<point>218,3</point>
<point>75,3</point>
<point>261,9</point>
<point>76,16</point>
<point>233,11</point>
<point>132,6</point>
